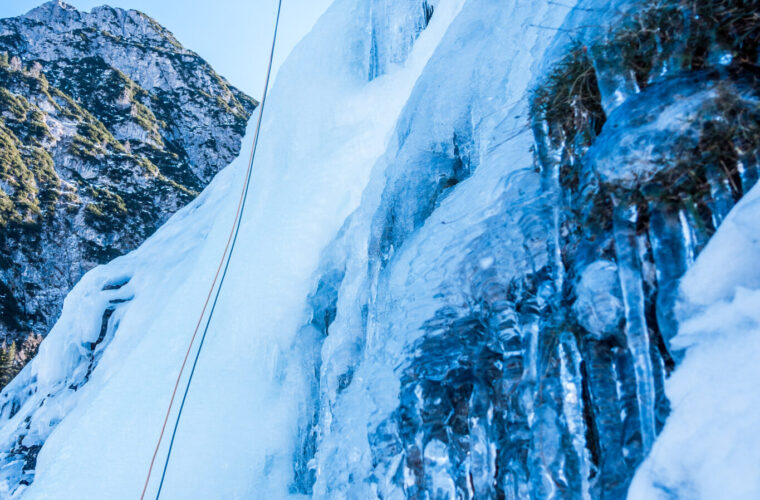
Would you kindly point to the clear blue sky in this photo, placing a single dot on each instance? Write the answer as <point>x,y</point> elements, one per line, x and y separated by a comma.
<point>234,36</point>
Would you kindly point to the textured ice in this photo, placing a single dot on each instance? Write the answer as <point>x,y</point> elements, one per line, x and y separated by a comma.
<point>710,447</point>
<point>598,301</point>
<point>419,305</point>
<point>649,130</point>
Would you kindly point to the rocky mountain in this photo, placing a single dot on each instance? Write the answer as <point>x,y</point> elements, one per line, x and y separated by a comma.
<point>108,125</point>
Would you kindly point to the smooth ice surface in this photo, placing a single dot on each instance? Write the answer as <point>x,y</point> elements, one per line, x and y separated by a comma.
<point>710,446</point>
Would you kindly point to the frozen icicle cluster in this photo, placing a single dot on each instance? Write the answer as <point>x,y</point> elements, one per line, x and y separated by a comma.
<point>518,345</point>
<point>460,277</point>
<point>646,171</point>
<point>708,448</point>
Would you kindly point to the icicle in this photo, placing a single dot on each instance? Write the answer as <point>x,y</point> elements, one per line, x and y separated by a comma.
<point>548,155</point>
<point>572,407</point>
<point>721,201</point>
<point>438,481</point>
<point>670,252</point>
<point>374,58</point>
<point>637,336</point>
<point>482,450</point>
<point>694,230</point>
<point>688,238</point>
<point>616,83</point>
<point>549,158</point>
<point>748,171</point>
<point>546,447</point>
<point>598,306</point>
<point>529,326</point>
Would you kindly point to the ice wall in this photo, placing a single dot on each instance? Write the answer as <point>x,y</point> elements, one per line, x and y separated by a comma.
<point>449,283</point>
<point>502,328</point>
<point>95,395</point>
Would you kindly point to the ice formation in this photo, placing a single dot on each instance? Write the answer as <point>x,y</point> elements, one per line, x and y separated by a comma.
<point>443,288</point>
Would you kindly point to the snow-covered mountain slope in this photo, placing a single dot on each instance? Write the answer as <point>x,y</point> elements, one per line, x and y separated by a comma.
<point>108,126</point>
<point>459,275</point>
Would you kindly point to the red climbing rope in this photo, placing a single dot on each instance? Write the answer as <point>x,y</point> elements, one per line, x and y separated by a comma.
<point>223,265</point>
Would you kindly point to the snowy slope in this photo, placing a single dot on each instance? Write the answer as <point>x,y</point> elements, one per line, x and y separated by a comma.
<point>112,126</point>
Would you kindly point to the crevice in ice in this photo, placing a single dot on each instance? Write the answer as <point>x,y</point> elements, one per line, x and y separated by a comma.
<point>117,283</point>
<point>408,201</point>
<point>427,13</point>
<point>321,312</point>
<point>323,301</point>
<point>93,346</point>
<point>394,27</point>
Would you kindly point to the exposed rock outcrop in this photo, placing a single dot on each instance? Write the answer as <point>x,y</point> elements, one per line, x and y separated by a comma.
<point>107,127</point>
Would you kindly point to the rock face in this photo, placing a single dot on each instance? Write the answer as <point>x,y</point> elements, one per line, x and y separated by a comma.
<point>107,127</point>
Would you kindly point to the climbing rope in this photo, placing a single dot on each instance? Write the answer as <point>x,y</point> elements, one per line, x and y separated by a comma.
<point>224,264</point>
